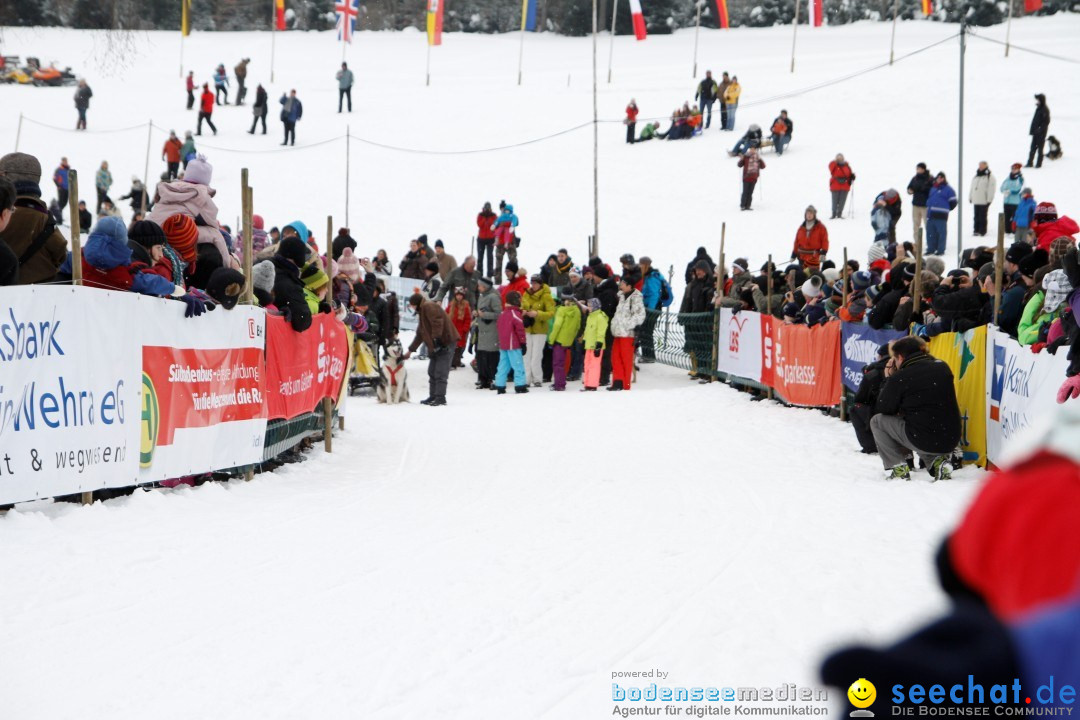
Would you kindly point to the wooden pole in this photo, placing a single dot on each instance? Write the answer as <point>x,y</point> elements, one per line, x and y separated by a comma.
<point>892,43</point>
<point>999,265</point>
<point>521,46</point>
<point>844,275</point>
<point>697,31</point>
<point>348,170</point>
<point>428,71</point>
<point>328,416</point>
<point>794,33</point>
<point>273,46</point>
<point>76,259</point>
<point>917,285</point>
<point>249,250</point>
<point>143,201</point>
<point>1008,28</point>
<point>18,132</point>
<point>768,303</point>
<point>596,140</point>
<point>329,237</point>
<point>611,51</point>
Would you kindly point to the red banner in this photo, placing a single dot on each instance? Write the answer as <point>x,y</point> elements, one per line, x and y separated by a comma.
<point>303,368</point>
<point>722,14</point>
<point>1031,6</point>
<point>818,11</point>
<point>802,363</point>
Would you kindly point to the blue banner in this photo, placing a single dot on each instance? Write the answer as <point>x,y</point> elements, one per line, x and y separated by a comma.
<point>528,15</point>
<point>858,346</point>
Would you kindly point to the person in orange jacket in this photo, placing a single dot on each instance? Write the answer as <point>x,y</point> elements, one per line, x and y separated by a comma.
<point>171,154</point>
<point>631,120</point>
<point>811,241</point>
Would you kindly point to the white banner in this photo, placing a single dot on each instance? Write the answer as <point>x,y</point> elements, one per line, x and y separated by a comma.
<point>739,351</point>
<point>69,390</point>
<point>1022,390</point>
<point>403,288</point>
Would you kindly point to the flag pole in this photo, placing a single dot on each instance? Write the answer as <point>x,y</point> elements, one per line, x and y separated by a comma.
<point>521,47</point>
<point>596,141</point>
<point>273,42</point>
<point>794,34</point>
<point>428,71</point>
<point>611,53</point>
<point>697,31</point>
<point>1008,28</point>
<point>892,43</point>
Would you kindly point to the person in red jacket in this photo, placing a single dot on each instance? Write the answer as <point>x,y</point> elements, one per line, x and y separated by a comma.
<point>206,109</point>
<point>461,317</point>
<point>171,154</point>
<point>1048,227</point>
<point>190,84</point>
<point>517,280</point>
<point>485,240</point>
<point>841,177</point>
<point>631,120</point>
<point>811,241</point>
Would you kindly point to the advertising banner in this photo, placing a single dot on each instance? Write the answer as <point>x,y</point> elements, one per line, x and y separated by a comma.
<point>859,346</point>
<point>303,368</point>
<point>802,363</point>
<point>965,354</point>
<point>69,391</point>
<point>739,353</point>
<point>403,288</point>
<point>203,382</point>
<point>1022,390</point>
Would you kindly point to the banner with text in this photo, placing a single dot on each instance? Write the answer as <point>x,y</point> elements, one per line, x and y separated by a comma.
<point>739,352</point>
<point>69,391</point>
<point>203,386</point>
<point>1022,389</point>
<point>802,363</point>
<point>303,368</point>
<point>403,288</point>
<point>859,346</point>
<point>965,354</point>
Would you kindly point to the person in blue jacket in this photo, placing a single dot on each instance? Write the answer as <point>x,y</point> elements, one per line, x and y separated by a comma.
<point>1025,211</point>
<point>221,84</point>
<point>291,111</point>
<point>1010,188</point>
<point>656,295</point>
<point>939,203</point>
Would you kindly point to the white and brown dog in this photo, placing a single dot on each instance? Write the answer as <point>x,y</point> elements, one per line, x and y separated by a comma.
<point>393,387</point>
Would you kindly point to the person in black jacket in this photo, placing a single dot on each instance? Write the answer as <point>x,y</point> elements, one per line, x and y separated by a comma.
<point>702,254</point>
<point>885,307</point>
<point>962,304</point>
<point>288,288</point>
<point>607,292</point>
<point>1040,125</point>
<point>706,96</point>
<point>698,298</point>
<point>917,412</point>
<point>919,190</point>
<point>873,375</point>
<point>258,110</point>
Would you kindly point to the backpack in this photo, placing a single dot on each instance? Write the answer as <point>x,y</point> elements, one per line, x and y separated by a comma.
<point>665,292</point>
<point>779,127</point>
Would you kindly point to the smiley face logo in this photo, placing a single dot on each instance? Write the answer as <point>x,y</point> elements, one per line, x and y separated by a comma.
<point>862,693</point>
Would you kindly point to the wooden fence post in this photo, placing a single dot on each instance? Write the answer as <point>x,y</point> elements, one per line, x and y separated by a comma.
<point>999,265</point>
<point>328,418</point>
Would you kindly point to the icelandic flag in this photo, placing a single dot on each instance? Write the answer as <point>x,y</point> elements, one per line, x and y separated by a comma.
<point>722,14</point>
<point>528,15</point>
<point>347,13</point>
<point>639,19</point>
<point>434,22</point>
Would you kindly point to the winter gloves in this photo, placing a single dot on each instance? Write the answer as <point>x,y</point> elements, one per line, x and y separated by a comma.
<point>1069,389</point>
<point>195,306</point>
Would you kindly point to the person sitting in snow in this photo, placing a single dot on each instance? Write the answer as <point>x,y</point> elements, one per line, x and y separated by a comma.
<point>752,139</point>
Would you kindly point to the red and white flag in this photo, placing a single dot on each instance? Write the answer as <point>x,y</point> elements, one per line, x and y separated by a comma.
<point>639,19</point>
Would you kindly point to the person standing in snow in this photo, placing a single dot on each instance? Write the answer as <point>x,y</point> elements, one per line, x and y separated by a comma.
<point>206,109</point>
<point>939,203</point>
<point>241,76</point>
<point>259,110</point>
<point>706,96</point>
<point>731,101</point>
<point>488,309</point>
<point>538,307</point>
<point>751,165</point>
<point>564,333</point>
<point>505,237</point>
<point>631,120</point>
<point>82,103</point>
<point>171,155</point>
<point>102,182</point>
<point>1040,125</point>
<point>485,240</point>
<point>1025,211</point>
<point>345,83</point>
<point>60,180</point>
<point>811,241</point>
<point>221,84</point>
<point>187,150</point>
<point>595,341</point>
<point>461,316</point>
<point>437,332</point>
<point>1010,189</point>
<point>841,178</point>
<point>889,200</point>
<point>291,111</point>
<point>189,85</point>
<point>629,315</point>
<point>721,90</point>
<point>983,189</point>
<point>512,339</point>
<point>919,189</point>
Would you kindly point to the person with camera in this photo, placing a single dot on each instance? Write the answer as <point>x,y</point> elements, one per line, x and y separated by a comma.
<point>437,332</point>
<point>917,412</point>
<point>962,303</point>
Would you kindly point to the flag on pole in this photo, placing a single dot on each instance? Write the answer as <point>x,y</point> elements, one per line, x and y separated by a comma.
<point>818,11</point>
<point>528,15</point>
<point>927,7</point>
<point>347,13</point>
<point>185,17</point>
<point>434,22</point>
<point>1031,6</point>
<point>638,18</point>
<point>722,14</point>
<point>279,14</point>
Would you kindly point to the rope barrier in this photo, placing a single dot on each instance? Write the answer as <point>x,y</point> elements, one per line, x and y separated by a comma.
<point>474,150</point>
<point>84,132</point>
<point>1013,46</point>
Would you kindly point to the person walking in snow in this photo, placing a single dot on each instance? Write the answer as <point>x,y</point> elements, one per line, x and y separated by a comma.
<point>345,83</point>
<point>291,111</point>
<point>221,84</point>
<point>1010,189</point>
<point>259,110</point>
<point>939,203</point>
<point>706,96</point>
<point>82,103</point>
<point>189,85</point>
<point>512,339</point>
<point>171,155</point>
<point>751,165</point>
<point>983,189</point>
<point>206,109</point>
<point>841,178</point>
<point>731,101</point>
<point>1040,126</point>
<point>102,182</point>
<point>631,121</point>
<point>241,76</point>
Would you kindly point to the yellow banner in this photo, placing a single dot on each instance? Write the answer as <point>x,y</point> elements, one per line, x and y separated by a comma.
<point>185,18</point>
<point>965,353</point>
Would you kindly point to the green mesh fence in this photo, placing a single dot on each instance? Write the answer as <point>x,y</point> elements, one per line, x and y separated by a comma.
<point>682,340</point>
<point>283,435</point>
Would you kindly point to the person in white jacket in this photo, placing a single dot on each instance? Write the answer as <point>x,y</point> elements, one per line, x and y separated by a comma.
<point>983,189</point>
<point>629,315</point>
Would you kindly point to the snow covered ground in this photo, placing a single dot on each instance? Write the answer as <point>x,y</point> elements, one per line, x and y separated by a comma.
<point>502,557</point>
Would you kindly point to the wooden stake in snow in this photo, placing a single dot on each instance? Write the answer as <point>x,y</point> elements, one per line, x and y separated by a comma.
<point>611,52</point>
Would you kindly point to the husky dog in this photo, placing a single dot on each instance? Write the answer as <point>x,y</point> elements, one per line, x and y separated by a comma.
<point>392,385</point>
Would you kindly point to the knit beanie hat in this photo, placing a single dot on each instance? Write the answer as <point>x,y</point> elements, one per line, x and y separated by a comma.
<point>877,252</point>
<point>512,267</point>
<point>812,287</point>
<point>295,249</point>
<point>19,166</point>
<point>486,282</point>
<point>262,276</point>
<point>1045,212</point>
<point>147,233</point>
<point>935,265</point>
<point>874,292</point>
<point>181,234</point>
<point>313,277</point>
<point>349,265</point>
<point>1036,259</point>
<point>199,171</point>
<point>432,267</point>
<point>257,222</point>
<point>601,272</point>
<point>861,280</point>
<point>225,286</point>
<point>1017,252</point>
<point>831,275</point>
<point>594,304</point>
<point>1057,287</point>
<point>791,310</point>
<point>1058,247</point>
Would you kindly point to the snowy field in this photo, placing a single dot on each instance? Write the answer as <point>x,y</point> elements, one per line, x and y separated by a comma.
<point>503,557</point>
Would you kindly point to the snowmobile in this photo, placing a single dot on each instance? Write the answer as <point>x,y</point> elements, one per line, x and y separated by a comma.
<point>52,77</point>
